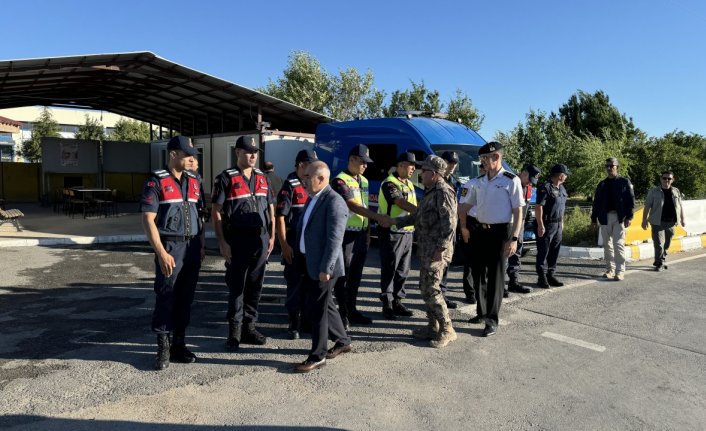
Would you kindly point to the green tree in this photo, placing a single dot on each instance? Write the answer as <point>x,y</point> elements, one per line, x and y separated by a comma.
<point>461,109</point>
<point>304,82</point>
<point>593,114</point>
<point>127,130</point>
<point>91,130</point>
<point>45,126</point>
<point>681,153</point>
<point>418,98</point>
<point>350,91</point>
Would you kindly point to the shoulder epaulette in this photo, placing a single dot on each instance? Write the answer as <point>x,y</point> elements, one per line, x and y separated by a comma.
<point>293,181</point>
<point>232,172</point>
<point>191,174</point>
<point>509,174</point>
<point>160,173</point>
<point>257,171</point>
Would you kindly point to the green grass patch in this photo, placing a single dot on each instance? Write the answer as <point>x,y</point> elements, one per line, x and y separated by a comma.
<point>577,228</point>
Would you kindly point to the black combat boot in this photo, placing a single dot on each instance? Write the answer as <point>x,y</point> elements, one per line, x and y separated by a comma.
<point>178,351</point>
<point>542,282</point>
<point>553,281</point>
<point>162,361</point>
<point>399,308</point>
<point>514,286</point>
<point>387,311</point>
<point>234,333</point>
<point>294,324</point>
<point>252,336</point>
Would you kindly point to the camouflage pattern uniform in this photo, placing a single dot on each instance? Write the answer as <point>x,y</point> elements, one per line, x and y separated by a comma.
<point>435,225</point>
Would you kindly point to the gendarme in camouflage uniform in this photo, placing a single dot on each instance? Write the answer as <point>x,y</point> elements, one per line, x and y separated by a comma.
<point>435,227</point>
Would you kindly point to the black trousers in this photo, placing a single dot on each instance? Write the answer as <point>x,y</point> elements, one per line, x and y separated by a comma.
<point>514,264</point>
<point>244,275</point>
<point>294,274</point>
<point>395,262</point>
<point>355,251</point>
<point>548,247</point>
<point>473,273</point>
<point>492,261</point>
<point>175,294</point>
<point>325,320</point>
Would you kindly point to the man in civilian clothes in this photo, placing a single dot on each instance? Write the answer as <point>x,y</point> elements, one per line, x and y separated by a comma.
<point>320,240</point>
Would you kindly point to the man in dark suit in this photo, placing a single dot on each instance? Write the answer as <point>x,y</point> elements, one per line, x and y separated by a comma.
<point>320,239</point>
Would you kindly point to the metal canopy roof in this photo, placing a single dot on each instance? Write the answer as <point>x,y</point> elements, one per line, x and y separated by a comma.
<point>143,86</point>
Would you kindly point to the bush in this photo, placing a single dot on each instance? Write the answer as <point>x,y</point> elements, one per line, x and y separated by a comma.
<point>577,228</point>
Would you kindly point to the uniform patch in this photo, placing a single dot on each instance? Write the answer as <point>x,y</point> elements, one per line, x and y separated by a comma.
<point>464,192</point>
<point>168,189</point>
<point>151,184</point>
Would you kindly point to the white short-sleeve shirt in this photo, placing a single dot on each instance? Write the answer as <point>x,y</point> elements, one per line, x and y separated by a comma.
<point>495,198</point>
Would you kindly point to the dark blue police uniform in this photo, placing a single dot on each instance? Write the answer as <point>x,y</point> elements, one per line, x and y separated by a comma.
<point>290,204</point>
<point>245,203</point>
<point>553,201</point>
<point>177,203</point>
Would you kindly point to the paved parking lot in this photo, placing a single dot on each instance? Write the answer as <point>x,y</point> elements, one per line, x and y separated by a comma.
<point>76,353</point>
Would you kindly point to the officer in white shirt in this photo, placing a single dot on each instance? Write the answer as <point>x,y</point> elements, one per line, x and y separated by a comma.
<point>499,200</point>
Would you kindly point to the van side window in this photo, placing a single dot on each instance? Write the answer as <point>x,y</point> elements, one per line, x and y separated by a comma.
<point>385,157</point>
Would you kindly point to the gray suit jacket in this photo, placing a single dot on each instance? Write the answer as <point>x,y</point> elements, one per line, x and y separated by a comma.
<point>323,238</point>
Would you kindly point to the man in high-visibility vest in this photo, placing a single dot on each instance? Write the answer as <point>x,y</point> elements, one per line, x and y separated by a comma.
<point>353,187</point>
<point>397,198</point>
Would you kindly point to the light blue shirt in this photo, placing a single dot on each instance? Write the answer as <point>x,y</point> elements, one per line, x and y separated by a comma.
<point>305,220</point>
<point>495,198</point>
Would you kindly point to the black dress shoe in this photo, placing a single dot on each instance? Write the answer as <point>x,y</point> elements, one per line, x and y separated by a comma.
<point>359,318</point>
<point>489,330</point>
<point>476,319</point>
<point>450,304</point>
<point>470,300</point>
<point>388,313</point>
<point>542,282</point>
<point>309,365</point>
<point>659,268</point>
<point>553,281</point>
<point>400,310</point>
<point>337,350</point>
<point>514,286</point>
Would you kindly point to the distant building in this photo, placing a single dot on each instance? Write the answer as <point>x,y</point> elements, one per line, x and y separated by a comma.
<point>16,125</point>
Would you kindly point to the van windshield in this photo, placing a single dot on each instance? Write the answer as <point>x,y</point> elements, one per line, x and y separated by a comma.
<point>468,161</point>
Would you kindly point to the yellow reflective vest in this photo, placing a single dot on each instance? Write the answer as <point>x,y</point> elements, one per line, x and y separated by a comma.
<point>360,196</point>
<point>393,210</point>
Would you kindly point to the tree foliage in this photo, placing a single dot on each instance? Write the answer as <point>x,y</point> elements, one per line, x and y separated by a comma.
<point>127,130</point>
<point>91,130</point>
<point>351,94</point>
<point>45,126</point>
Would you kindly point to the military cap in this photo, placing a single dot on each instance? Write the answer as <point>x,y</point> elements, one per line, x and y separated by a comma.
<point>182,143</point>
<point>434,163</point>
<point>490,147</point>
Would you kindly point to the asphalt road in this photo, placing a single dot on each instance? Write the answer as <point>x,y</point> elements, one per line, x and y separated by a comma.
<point>76,353</point>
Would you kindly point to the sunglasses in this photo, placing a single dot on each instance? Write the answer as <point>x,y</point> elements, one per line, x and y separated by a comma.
<point>667,178</point>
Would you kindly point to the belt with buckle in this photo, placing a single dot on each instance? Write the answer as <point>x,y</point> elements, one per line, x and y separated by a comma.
<point>490,225</point>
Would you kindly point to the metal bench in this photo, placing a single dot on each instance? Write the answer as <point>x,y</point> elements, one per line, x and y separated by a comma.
<point>11,216</point>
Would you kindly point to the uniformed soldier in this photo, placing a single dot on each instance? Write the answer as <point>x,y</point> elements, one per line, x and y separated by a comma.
<point>397,198</point>
<point>353,187</point>
<point>451,159</point>
<point>435,225</point>
<point>498,196</point>
<point>170,204</point>
<point>290,206</point>
<point>528,178</point>
<point>243,207</point>
<point>549,213</point>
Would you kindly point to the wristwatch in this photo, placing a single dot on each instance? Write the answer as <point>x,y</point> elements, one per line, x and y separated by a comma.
<point>514,238</point>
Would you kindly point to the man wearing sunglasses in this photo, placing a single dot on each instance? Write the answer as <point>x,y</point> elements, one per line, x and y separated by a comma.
<point>663,210</point>
<point>613,205</point>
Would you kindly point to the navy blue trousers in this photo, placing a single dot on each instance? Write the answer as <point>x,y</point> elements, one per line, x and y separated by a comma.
<point>175,294</point>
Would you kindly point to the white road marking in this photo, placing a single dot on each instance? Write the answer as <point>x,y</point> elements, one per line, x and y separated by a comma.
<point>574,341</point>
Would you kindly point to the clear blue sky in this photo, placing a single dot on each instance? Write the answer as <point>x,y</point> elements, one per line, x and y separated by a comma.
<point>508,56</point>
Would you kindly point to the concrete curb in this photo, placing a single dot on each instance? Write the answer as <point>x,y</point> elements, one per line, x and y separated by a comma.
<point>79,240</point>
